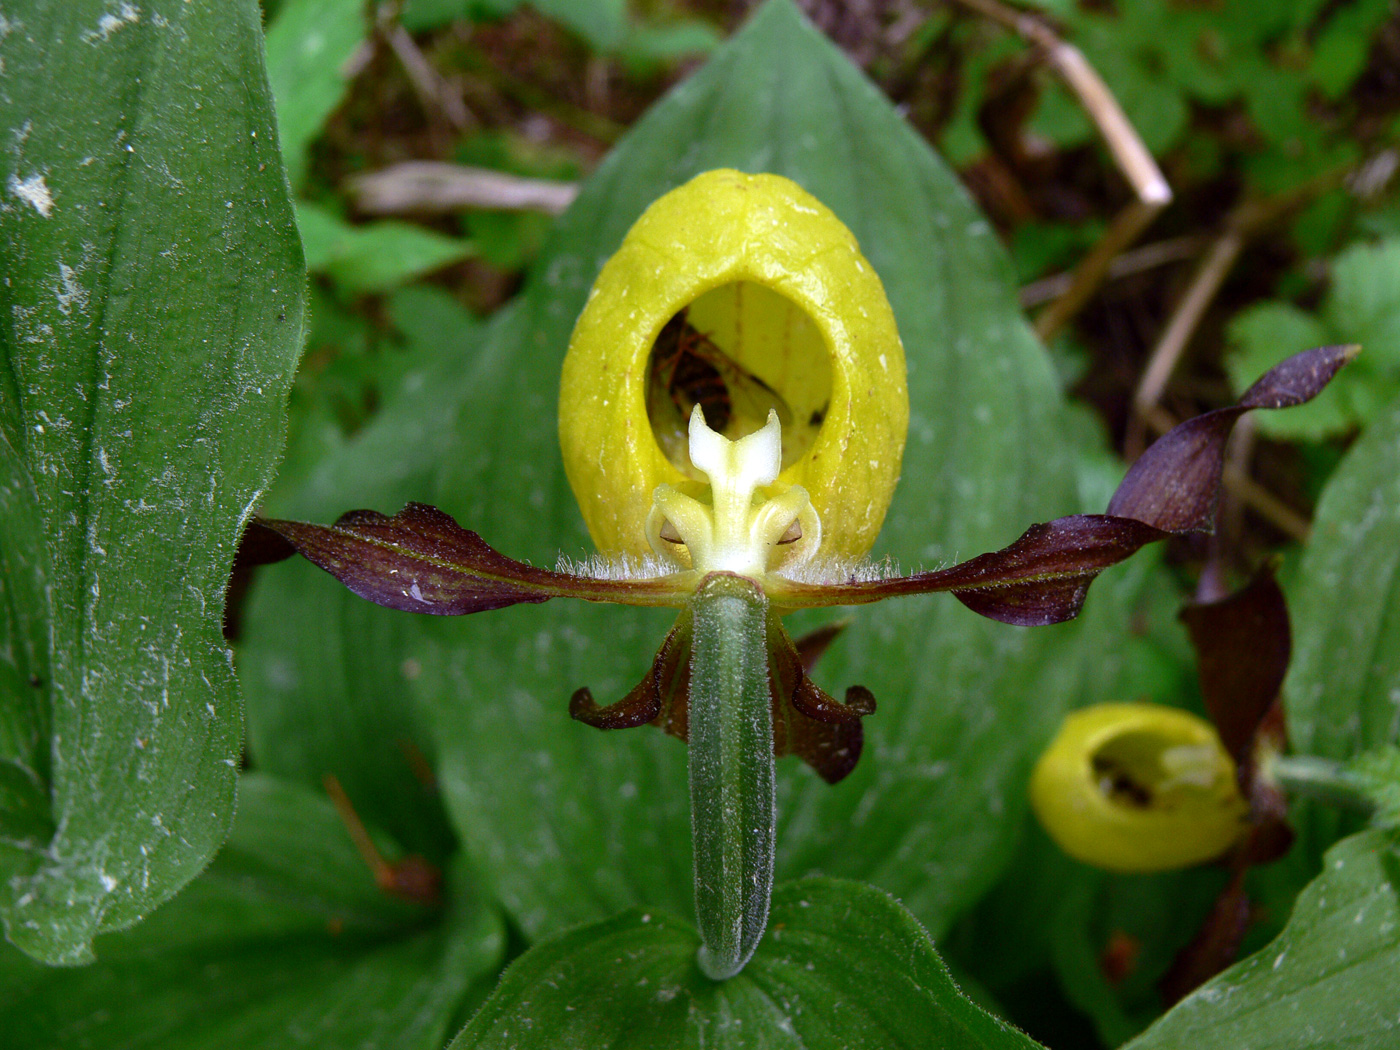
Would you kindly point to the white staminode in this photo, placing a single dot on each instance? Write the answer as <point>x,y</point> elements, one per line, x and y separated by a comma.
<point>733,533</point>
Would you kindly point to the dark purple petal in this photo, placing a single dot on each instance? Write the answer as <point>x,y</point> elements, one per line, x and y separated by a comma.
<point>1300,378</point>
<point>1172,489</point>
<point>1175,484</point>
<point>1040,579</point>
<point>808,722</point>
<point>812,645</point>
<point>421,560</point>
<point>260,545</point>
<point>1242,645</point>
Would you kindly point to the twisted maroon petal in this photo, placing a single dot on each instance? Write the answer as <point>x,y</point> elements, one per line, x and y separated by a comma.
<point>1043,577</point>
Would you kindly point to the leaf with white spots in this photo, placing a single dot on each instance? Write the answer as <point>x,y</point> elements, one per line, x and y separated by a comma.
<point>150,320</point>
<point>1331,978</point>
<point>285,941</point>
<point>1343,691</point>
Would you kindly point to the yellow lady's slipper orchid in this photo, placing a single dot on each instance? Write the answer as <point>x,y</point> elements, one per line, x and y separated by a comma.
<point>732,416</point>
<point>1138,788</point>
<point>747,291</point>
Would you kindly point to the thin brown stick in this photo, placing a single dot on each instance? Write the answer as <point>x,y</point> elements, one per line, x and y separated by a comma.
<point>1247,219</point>
<point>1122,139</point>
<point>1239,451</point>
<point>1124,143</point>
<point>1210,274</point>
<point>1138,260</point>
<point>1268,506</point>
<point>1129,151</point>
<point>374,860</point>
<point>430,186</point>
<point>1090,274</point>
<point>433,92</point>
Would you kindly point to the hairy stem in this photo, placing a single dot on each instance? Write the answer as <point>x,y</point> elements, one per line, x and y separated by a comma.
<point>1320,778</point>
<point>731,771</point>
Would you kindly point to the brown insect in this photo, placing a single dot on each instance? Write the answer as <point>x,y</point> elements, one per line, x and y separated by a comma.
<point>691,370</point>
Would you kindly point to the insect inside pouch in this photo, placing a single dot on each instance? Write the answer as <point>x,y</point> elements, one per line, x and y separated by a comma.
<point>687,369</point>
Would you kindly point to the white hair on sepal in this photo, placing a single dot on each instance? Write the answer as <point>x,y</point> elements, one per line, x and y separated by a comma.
<point>837,569</point>
<point>615,567</point>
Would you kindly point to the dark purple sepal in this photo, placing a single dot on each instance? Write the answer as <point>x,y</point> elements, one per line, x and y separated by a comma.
<point>421,560</point>
<point>1242,643</point>
<point>1215,945</point>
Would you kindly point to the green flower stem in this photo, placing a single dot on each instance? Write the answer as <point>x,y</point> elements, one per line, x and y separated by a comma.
<point>731,771</point>
<point>1320,778</point>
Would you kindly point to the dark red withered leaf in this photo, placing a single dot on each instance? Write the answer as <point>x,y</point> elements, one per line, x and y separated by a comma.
<point>1042,578</point>
<point>421,560</point>
<point>1242,645</point>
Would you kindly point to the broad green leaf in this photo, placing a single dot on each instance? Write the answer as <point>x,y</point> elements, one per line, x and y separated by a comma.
<point>26,817</point>
<point>648,46</point>
<point>376,257</point>
<point>309,44</point>
<point>572,824</point>
<point>420,16</point>
<point>1365,299</point>
<point>152,304</point>
<point>1378,773</point>
<point>1328,980</point>
<point>1340,49</point>
<point>328,688</point>
<point>845,967</point>
<point>603,23</point>
<point>1343,690</point>
<point>285,941</point>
